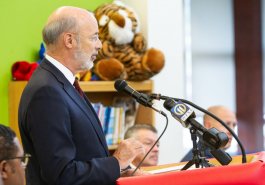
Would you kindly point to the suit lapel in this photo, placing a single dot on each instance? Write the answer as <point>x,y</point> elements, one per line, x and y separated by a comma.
<point>97,124</point>
<point>83,103</point>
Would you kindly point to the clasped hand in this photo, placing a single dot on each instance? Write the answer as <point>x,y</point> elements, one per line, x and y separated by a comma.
<point>127,150</point>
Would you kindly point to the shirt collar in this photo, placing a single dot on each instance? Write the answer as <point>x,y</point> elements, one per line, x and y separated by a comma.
<point>66,72</point>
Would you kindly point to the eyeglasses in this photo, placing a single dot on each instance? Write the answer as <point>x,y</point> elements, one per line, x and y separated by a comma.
<point>24,159</point>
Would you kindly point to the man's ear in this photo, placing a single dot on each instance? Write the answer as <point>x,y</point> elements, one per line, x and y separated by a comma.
<point>4,169</point>
<point>69,40</point>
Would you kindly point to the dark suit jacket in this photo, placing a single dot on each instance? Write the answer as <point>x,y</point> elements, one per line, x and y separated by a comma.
<point>62,132</point>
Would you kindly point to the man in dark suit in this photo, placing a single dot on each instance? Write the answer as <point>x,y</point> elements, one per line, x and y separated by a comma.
<point>58,125</point>
<point>227,116</point>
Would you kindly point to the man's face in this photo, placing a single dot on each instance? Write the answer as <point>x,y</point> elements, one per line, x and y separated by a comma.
<point>230,120</point>
<point>88,44</point>
<point>13,172</point>
<point>147,138</point>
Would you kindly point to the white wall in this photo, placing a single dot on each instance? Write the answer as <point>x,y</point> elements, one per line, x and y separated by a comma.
<point>212,77</point>
<point>213,66</point>
<point>165,27</point>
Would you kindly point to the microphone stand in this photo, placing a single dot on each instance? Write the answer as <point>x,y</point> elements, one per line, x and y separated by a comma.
<point>198,158</point>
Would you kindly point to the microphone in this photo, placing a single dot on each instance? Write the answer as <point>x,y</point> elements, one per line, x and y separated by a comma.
<point>144,99</point>
<point>162,97</point>
<point>179,111</point>
<point>182,113</point>
<point>122,86</point>
<point>211,138</point>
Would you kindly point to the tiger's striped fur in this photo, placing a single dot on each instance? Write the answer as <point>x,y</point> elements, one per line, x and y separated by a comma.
<point>129,54</point>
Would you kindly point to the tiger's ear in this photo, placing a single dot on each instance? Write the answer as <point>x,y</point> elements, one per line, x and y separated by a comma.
<point>103,20</point>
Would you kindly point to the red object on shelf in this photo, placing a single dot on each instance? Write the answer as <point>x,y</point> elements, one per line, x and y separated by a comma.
<point>22,70</point>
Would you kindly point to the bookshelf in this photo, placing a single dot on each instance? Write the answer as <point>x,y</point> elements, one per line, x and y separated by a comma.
<point>96,91</point>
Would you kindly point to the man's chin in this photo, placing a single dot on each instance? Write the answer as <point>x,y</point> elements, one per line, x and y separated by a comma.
<point>88,65</point>
<point>153,162</point>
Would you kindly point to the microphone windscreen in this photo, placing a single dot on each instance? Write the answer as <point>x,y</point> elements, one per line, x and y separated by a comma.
<point>120,85</point>
<point>169,103</point>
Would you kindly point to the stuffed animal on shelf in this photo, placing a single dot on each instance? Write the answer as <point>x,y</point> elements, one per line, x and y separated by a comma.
<point>124,54</point>
<point>22,70</point>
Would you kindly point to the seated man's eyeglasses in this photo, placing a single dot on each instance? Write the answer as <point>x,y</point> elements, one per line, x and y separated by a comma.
<point>24,159</point>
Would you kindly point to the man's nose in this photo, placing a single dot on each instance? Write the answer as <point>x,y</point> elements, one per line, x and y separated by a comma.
<point>156,148</point>
<point>99,45</point>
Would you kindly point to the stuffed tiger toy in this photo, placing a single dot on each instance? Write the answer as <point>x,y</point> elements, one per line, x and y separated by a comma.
<point>123,54</point>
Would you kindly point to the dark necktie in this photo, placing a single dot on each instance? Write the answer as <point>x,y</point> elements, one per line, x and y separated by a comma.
<point>77,87</point>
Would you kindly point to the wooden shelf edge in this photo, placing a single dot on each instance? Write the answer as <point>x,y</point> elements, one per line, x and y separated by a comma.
<point>108,86</point>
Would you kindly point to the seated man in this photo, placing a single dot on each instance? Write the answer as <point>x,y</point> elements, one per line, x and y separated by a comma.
<point>227,116</point>
<point>147,135</point>
<point>12,159</point>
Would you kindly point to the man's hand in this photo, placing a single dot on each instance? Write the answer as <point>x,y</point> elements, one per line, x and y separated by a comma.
<point>138,172</point>
<point>127,150</point>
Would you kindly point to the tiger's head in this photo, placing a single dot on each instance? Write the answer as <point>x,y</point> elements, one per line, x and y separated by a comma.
<point>117,23</point>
